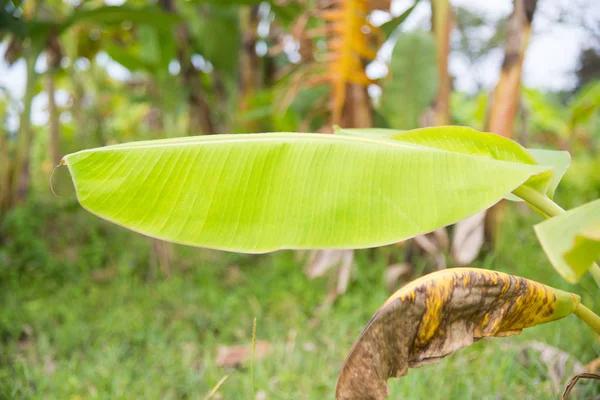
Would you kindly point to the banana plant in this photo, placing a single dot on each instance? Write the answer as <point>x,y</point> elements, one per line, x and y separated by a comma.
<point>357,188</point>
<point>30,33</point>
<point>548,116</point>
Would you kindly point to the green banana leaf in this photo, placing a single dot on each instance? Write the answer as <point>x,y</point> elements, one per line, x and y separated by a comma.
<point>560,161</point>
<point>262,192</point>
<point>572,240</point>
<point>468,141</point>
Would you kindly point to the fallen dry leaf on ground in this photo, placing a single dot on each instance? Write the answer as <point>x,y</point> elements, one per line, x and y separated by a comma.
<point>236,356</point>
<point>558,362</point>
<point>438,314</point>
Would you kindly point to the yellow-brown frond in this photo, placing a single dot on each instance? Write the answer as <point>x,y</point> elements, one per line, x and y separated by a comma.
<point>350,42</point>
<point>347,47</point>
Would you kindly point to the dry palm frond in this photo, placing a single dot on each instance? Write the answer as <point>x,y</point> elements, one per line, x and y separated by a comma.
<point>347,47</point>
<point>343,27</point>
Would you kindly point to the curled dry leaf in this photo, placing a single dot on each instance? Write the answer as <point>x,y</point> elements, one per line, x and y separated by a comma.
<point>438,314</point>
<point>573,381</point>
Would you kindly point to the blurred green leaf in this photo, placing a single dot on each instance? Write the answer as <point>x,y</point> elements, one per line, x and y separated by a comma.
<point>216,35</point>
<point>166,45</point>
<point>585,104</point>
<point>11,24</point>
<point>128,59</point>
<point>546,114</point>
<point>151,15</point>
<point>468,110</point>
<point>228,3</point>
<point>304,102</point>
<point>156,46</point>
<point>412,82</point>
<point>149,46</point>
<point>572,240</point>
<point>288,13</point>
<point>261,110</point>
<point>389,27</point>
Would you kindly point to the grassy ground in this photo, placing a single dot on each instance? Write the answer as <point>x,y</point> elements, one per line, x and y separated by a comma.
<point>104,331</point>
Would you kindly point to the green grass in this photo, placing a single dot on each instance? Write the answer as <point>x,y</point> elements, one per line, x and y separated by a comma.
<point>75,337</point>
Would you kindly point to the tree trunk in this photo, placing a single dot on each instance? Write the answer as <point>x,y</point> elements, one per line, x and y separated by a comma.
<point>54,128</point>
<point>442,27</point>
<point>161,257</point>
<point>5,174</point>
<point>53,58</point>
<point>357,111</point>
<point>505,99</point>
<point>77,110</point>
<point>249,60</point>
<point>21,177</point>
<point>221,105</point>
<point>200,117</point>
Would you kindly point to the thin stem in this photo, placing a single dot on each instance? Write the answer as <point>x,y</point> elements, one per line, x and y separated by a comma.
<point>539,201</point>
<point>595,272</point>
<point>548,209</point>
<point>588,316</point>
<point>252,360</point>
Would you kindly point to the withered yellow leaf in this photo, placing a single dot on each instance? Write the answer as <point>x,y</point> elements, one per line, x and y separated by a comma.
<point>438,314</point>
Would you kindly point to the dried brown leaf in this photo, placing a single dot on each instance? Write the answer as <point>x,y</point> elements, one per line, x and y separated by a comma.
<point>438,314</point>
<point>394,272</point>
<point>441,236</point>
<point>435,245</point>
<point>558,362</point>
<point>593,365</point>
<point>468,239</point>
<point>322,261</point>
<point>379,4</point>
<point>236,356</point>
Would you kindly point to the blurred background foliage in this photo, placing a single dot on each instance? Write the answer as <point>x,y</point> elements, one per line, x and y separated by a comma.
<point>90,310</point>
